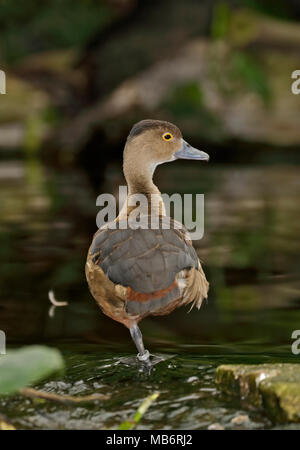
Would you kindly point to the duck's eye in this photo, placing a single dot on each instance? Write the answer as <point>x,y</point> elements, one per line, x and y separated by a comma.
<point>167,136</point>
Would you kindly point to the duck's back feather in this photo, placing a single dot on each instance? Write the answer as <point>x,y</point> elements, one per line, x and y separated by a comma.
<point>158,267</point>
<point>146,260</point>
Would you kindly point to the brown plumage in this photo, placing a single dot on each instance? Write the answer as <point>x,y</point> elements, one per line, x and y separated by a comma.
<point>136,272</point>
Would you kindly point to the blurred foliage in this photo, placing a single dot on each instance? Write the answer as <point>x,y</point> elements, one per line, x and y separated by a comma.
<point>142,409</point>
<point>4,425</point>
<point>225,17</point>
<point>223,13</point>
<point>153,33</point>
<point>33,26</point>
<point>224,58</point>
<point>69,272</point>
<point>33,133</point>
<point>245,68</point>
<point>279,8</point>
<point>45,234</point>
<point>220,20</point>
<point>21,100</point>
<point>186,102</point>
<point>28,365</point>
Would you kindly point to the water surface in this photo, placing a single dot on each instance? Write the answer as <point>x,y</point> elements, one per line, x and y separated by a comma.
<point>250,253</point>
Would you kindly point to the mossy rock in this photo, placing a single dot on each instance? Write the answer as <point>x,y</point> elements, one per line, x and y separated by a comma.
<point>273,387</point>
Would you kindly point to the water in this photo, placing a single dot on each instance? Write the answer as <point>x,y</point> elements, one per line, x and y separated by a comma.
<point>188,397</point>
<point>251,256</point>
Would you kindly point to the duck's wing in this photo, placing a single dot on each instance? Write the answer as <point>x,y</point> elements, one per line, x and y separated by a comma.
<point>158,267</point>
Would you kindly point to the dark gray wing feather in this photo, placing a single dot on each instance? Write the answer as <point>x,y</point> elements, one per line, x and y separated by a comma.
<point>147,260</point>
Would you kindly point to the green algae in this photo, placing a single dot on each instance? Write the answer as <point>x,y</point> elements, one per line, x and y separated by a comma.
<point>273,387</point>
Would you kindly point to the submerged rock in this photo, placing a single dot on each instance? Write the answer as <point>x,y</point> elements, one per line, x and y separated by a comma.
<point>215,426</point>
<point>273,387</point>
<point>240,420</point>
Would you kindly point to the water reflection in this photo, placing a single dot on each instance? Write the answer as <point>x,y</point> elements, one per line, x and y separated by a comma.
<point>250,252</point>
<point>188,396</point>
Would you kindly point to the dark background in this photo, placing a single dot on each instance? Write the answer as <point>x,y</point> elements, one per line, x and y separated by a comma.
<point>79,74</point>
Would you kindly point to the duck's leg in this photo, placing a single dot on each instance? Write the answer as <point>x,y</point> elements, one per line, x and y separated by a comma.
<point>143,355</point>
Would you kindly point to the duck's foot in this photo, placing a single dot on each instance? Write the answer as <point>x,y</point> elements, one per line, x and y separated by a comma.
<point>147,364</point>
<point>148,361</point>
<point>143,355</point>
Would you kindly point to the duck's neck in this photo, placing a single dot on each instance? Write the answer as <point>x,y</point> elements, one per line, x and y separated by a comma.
<point>138,175</point>
<point>139,180</point>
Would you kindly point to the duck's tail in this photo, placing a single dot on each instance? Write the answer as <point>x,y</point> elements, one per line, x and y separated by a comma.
<point>196,288</point>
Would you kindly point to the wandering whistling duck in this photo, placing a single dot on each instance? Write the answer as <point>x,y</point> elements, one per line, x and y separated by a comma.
<point>133,272</point>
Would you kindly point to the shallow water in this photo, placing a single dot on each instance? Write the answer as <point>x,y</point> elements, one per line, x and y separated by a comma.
<point>251,256</point>
<point>188,397</point>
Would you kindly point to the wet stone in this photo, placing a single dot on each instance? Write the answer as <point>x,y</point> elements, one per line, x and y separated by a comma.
<point>273,387</point>
<point>240,420</point>
<point>215,426</point>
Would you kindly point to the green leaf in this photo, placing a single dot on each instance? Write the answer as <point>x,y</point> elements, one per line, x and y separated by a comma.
<point>145,405</point>
<point>221,19</point>
<point>249,71</point>
<point>19,368</point>
<point>127,425</point>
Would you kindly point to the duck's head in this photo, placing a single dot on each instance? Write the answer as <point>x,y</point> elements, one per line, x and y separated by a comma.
<point>154,142</point>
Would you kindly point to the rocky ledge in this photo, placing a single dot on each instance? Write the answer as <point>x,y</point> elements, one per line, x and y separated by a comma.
<point>272,387</point>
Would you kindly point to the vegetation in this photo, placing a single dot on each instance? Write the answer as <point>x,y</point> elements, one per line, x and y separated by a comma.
<point>26,366</point>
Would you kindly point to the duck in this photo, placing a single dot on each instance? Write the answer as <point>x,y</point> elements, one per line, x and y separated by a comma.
<point>135,271</point>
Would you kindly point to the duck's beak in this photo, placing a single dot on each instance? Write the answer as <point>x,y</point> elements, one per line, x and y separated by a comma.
<point>189,152</point>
